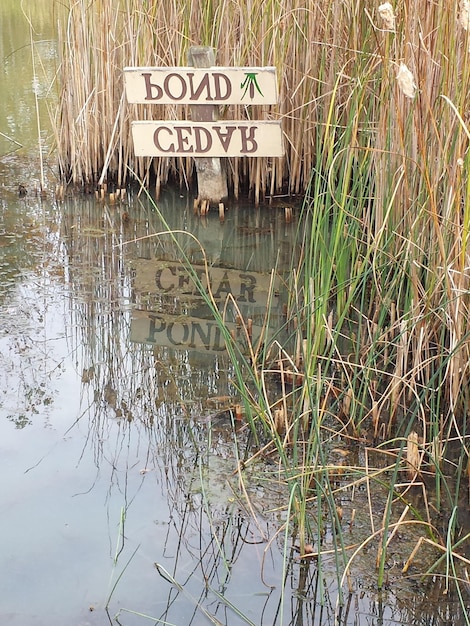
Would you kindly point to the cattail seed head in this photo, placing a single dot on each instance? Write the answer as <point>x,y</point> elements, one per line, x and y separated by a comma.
<point>464,15</point>
<point>387,15</point>
<point>406,81</point>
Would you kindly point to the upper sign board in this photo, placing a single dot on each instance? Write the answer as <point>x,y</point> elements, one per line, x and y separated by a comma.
<point>190,85</point>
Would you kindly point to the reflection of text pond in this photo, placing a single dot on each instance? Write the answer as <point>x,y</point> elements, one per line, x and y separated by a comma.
<point>185,332</point>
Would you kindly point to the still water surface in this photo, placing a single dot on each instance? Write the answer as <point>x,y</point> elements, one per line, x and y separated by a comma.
<point>117,451</point>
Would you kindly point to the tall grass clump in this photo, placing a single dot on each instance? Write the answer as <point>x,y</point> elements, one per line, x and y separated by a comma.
<point>381,295</point>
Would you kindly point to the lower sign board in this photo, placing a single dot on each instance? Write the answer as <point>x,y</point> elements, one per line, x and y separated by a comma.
<point>184,332</point>
<point>210,139</point>
<point>172,278</point>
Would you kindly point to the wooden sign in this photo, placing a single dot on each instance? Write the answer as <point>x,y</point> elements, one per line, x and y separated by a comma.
<point>172,278</point>
<point>189,85</point>
<point>204,87</point>
<point>213,139</point>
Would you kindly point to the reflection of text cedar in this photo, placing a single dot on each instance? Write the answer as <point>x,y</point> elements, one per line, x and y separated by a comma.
<point>174,277</point>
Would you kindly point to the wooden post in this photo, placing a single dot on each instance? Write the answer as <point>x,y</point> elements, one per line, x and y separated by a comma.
<point>211,178</point>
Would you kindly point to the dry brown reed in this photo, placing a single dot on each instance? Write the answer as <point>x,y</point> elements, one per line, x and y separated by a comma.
<point>321,51</point>
<point>100,38</point>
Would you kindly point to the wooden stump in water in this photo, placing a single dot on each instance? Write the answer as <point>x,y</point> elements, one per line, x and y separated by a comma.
<point>211,178</point>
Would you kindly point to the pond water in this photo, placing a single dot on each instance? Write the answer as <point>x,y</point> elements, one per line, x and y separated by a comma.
<point>120,499</point>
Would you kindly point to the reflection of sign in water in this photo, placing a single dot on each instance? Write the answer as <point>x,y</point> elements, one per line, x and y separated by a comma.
<point>182,332</point>
<point>166,277</point>
<point>190,85</point>
<point>171,281</point>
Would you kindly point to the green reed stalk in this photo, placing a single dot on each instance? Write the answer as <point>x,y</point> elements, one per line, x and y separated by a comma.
<point>119,549</point>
